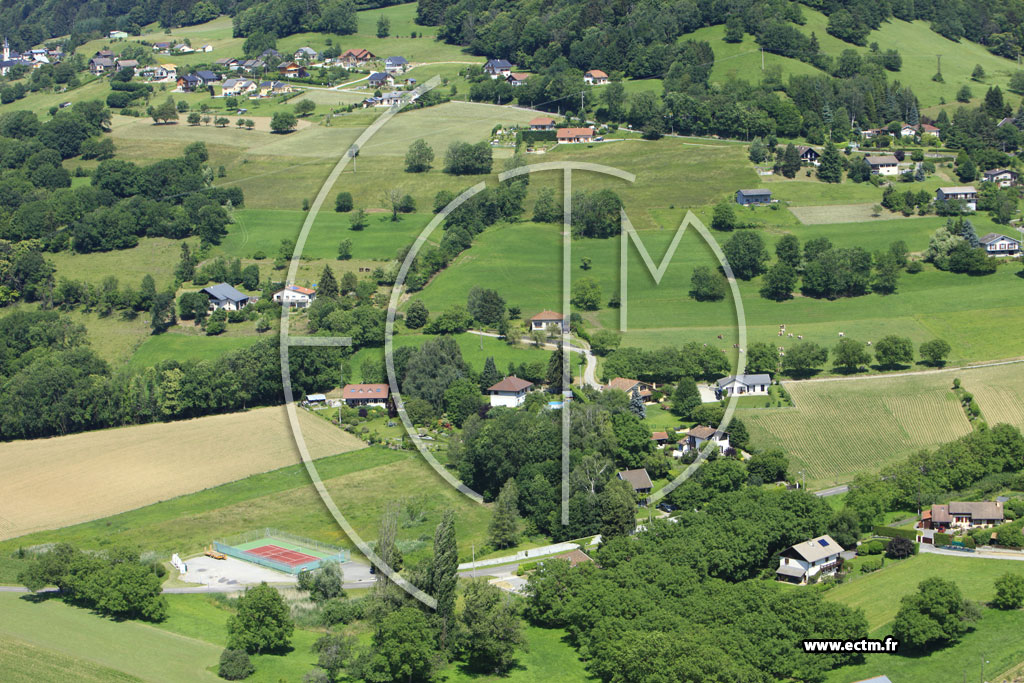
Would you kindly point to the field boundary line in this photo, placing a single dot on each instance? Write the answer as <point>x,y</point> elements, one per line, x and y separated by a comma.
<point>912,373</point>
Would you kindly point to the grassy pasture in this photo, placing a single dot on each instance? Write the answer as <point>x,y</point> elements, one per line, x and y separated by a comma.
<point>186,347</point>
<point>110,471</point>
<point>995,638</point>
<point>156,256</point>
<point>997,391</point>
<point>843,427</point>
<point>76,637</point>
<point>475,351</point>
<point>23,662</point>
<point>262,230</point>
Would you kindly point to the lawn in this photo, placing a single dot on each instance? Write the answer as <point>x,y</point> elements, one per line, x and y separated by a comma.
<point>262,230</point>
<point>995,638</point>
<point>186,347</point>
<point>475,351</point>
<point>75,637</point>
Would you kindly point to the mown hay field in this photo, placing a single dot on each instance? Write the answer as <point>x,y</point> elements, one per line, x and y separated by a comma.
<point>840,428</point>
<point>51,483</point>
<point>998,391</point>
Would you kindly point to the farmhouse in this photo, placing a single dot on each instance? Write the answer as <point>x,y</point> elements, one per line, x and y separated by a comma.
<point>365,394</point>
<point>755,385</point>
<point>207,77</point>
<point>962,193</point>
<point>268,88</point>
<point>660,439</point>
<point>595,77</point>
<point>237,86</point>
<point>806,560</point>
<point>381,79</point>
<point>999,245</point>
<point>253,65</point>
<point>126,64</point>
<point>1003,177</point>
<point>515,80</point>
<point>98,65</point>
<point>305,53</point>
<point>638,479</point>
<point>962,516</point>
<point>183,49</point>
<point>542,320</point>
<point>572,135</point>
<point>498,68</point>
<point>509,392</point>
<point>542,123</point>
<point>886,164</point>
<point>226,297</point>
<point>808,154</point>
<point>292,70</point>
<point>294,296</point>
<point>354,57</point>
<point>748,197</point>
<point>188,82</point>
<point>928,129</point>
<point>629,385</point>
<point>699,435</point>
<point>396,65</point>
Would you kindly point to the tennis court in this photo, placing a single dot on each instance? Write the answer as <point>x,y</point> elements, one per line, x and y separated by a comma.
<point>280,550</point>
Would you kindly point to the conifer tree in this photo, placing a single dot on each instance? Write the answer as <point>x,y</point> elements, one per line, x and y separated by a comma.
<point>504,529</point>
<point>830,169</point>
<point>328,286</point>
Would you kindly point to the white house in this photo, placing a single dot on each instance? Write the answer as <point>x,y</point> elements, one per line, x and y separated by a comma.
<point>498,68</point>
<point>963,193</point>
<point>995,244</point>
<point>575,135</point>
<point>226,297</point>
<point>396,65</point>
<point>908,131</point>
<point>806,560</point>
<point>630,385</point>
<point>380,80</point>
<point>1003,177</point>
<point>516,80</point>
<point>294,296</point>
<point>365,394</point>
<point>509,392</point>
<point>885,164</point>
<point>699,435</point>
<point>542,320</point>
<point>754,385</point>
<point>809,155</point>
<point>237,86</point>
<point>595,77</point>
<point>542,123</point>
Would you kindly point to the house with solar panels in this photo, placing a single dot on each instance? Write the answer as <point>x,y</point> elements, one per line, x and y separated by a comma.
<point>806,562</point>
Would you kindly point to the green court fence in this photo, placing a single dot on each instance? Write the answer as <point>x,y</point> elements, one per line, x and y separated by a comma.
<point>228,546</point>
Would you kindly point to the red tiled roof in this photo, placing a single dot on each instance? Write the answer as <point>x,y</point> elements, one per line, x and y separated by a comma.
<point>542,121</point>
<point>597,73</point>
<point>301,290</point>
<point>574,132</point>
<point>659,436</point>
<point>548,315</point>
<point>511,383</point>
<point>365,391</point>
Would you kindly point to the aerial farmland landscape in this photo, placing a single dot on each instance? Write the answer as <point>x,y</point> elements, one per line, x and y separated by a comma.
<point>472,341</point>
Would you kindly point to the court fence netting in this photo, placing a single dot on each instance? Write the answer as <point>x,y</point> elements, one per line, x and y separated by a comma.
<point>235,546</point>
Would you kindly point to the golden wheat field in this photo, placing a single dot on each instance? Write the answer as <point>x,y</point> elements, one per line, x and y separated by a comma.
<point>51,483</point>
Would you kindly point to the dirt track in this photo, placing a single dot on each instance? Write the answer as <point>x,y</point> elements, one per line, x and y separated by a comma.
<point>52,483</point>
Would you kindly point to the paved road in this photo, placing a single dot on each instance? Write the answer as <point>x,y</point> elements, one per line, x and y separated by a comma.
<point>834,491</point>
<point>589,372</point>
<point>980,554</point>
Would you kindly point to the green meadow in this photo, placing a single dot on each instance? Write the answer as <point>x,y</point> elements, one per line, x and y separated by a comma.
<point>185,347</point>
<point>995,638</point>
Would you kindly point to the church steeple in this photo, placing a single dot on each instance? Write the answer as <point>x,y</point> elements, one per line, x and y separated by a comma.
<point>7,50</point>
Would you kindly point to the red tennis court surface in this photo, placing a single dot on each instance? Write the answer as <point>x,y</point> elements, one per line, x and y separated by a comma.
<point>279,554</point>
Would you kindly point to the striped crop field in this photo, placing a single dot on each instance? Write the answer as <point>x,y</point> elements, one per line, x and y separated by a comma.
<point>999,391</point>
<point>840,428</point>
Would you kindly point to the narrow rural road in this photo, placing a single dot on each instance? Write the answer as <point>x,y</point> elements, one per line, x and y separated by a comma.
<point>834,491</point>
<point>589,372</point>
